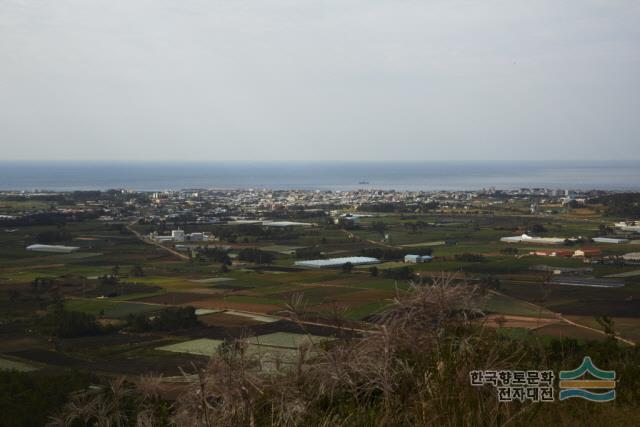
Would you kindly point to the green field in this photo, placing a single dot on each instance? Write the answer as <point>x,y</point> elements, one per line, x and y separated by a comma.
<point>199,347</point>
<point>109,308</point>
<point>245,299</point>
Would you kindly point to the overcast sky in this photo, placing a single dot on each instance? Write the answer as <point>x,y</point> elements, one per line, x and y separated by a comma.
<point>314,79</point>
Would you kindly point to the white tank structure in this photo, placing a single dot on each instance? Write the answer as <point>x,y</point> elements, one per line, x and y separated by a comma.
<point>178,235</point>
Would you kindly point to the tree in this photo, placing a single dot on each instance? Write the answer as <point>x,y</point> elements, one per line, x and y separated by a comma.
<point>538,228</point>
<point>401,273</point>
<point>379,227</point>
<point>468,257</point>
<point>306,253</point>
<point>53,236</point>
<point>347,267</point>
<point>493,283</point>
<point>510,250</point>
<point>607,325</point>
<point>255,255</point>
<point>137,271</point>
<point>214,254</point>
<point>62,323</point>
<point>29,400</point>
<point>173,318</point>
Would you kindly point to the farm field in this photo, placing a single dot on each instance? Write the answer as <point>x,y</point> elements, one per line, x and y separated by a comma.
<point>139,307</point>
<point>284,339</point>
<point>12,365</point>
<point>626,327</point>
<point>502,304</point>
<point>200,347</point>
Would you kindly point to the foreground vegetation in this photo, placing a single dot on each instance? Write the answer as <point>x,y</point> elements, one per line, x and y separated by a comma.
<point>411,369</point>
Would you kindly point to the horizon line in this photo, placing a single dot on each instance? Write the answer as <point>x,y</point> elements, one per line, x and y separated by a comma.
<point>307,160</point>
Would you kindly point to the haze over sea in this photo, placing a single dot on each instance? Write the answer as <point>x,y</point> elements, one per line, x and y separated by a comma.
<point>322,175</point>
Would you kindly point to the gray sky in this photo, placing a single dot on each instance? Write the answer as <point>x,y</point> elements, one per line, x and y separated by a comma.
<point>314,79</point>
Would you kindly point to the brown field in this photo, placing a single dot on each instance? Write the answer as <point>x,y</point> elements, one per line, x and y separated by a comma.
<point>368,295</point>
<point>37,267</point>
<point>524,277</point>
<point>335,283</point>
<point>174,298</point>
<point>438,274</point>
<point>17,343</point>
<point>518,321</point>
<point>356,299</point>
<point>47,357</point>
<point>224,319</point>
<point>583,212</point>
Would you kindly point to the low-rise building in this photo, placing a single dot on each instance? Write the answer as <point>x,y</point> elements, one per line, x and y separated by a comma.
<point>587,253</point>
<point>177,235</point>
<point>337,262</point>
<point>53,248</point>
<point>525,238</point>
<point>417,259</point>
<point>632,257</point>
<point>197,237</point>
<point>552,252</point>
<point>633,226</point>
<point>614,240</point>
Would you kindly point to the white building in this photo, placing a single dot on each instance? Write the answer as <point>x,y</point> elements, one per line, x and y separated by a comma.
<point>177,235</point>
<point>633,226</point>
<point>417,259</point>
<point>535,208</point>
<point>632,257</point>
<point>525,238</point>
<point>337,262</point>
<point>53,248</point>
<point>163,239</point>
<point>286,224</point>
<point>348,219</point>
<point>610,240</point>
<point>197,237</point>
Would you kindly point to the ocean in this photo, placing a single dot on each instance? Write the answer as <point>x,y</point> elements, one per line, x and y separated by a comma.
<point>321,175</point>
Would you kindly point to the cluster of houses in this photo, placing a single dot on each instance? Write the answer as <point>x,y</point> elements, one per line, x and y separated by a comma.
<point>633,226</point>
<point>579,253</point>
<point>417,259</point>
<point>589,254</point>
<point>180,236</point>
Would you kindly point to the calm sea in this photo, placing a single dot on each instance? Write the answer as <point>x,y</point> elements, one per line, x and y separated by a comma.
<point>429,175</point>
